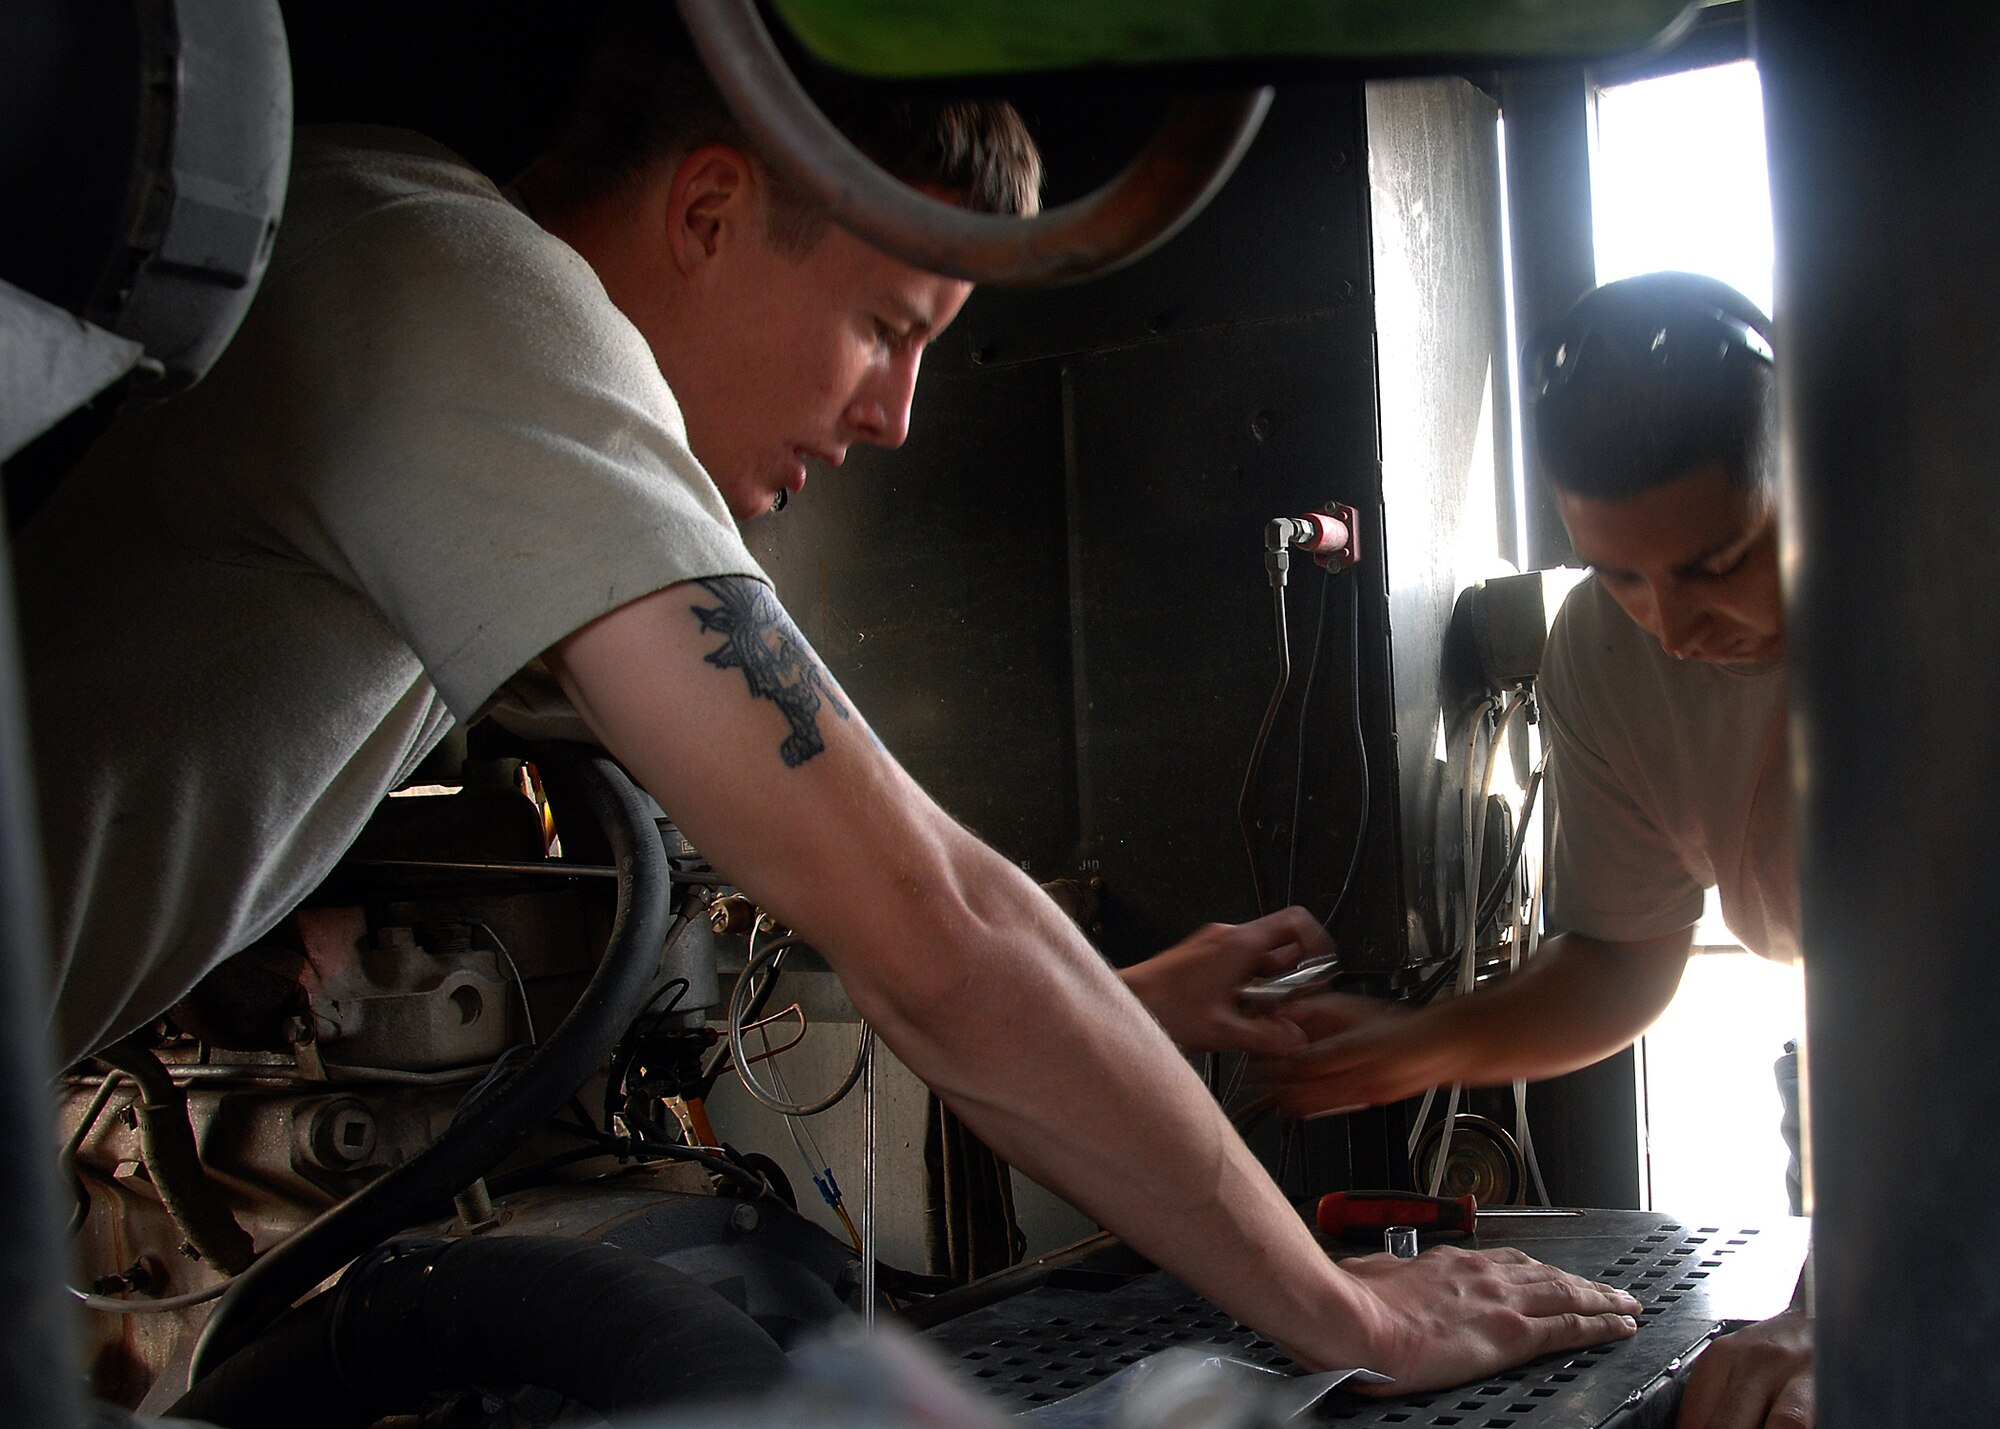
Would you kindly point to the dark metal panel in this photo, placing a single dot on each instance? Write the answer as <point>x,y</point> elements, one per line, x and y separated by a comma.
<point>934,583</point>
<point>1548,116</point>
<point>1883,124</point>
<point>1288,235</point>
<point>38,1379</point>
<point>1051,602</point>
<point>1043,1332</point>
<point>1181,451</point>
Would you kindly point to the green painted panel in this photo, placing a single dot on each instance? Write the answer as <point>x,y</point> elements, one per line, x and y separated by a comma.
<point>912,39</point>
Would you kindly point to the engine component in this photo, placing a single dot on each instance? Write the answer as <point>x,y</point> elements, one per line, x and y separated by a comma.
<point>497,1123</point>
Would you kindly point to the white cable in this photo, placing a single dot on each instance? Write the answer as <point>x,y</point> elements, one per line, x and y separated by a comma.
<point>1471,838</point>
<point>868,1181</point>
<point>1534,939</point>
<point>1472,846</point>
<point>111,1305</point>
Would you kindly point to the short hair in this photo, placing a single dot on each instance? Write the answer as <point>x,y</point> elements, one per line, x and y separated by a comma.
<point>644,97</point>
<point>1650,379</point>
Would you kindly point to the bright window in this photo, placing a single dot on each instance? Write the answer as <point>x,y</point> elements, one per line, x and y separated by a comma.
<point>1679,181</point>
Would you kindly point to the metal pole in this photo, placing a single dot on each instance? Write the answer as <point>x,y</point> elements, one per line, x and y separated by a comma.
<point>1883,124</point>
<point>868,1177</point>
<point>38,1374</point>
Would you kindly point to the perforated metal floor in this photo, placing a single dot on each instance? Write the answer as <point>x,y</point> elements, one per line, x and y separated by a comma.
<point>1078,1325</point>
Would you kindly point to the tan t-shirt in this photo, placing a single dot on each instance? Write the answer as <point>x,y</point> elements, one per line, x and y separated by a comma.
<point>1666,777</point>
<point>434,449</point>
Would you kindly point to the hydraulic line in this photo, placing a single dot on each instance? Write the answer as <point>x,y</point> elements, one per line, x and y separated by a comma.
<point>498,1123</point>
<point>167,1146</point>
<point>739,999</point>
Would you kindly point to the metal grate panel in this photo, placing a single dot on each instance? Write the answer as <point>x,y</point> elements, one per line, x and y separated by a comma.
<point>1078,1326</point>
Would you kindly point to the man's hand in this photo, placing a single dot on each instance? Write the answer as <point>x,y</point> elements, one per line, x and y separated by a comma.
<point>1757,1378</point>
<point>1458,1315</point>
<point>1193,988</point>
<point>1363,1052</point>
<point>1579,1001</point>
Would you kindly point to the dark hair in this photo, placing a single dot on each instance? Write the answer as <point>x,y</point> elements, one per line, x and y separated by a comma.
<point>644,97</point>
<point>1649,379</point>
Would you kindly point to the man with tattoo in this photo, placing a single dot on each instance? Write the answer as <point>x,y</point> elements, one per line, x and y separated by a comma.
<point>467,436</point>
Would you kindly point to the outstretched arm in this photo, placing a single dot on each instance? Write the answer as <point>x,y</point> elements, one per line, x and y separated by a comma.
<point>1578,1002</point>
<point>986,991</point>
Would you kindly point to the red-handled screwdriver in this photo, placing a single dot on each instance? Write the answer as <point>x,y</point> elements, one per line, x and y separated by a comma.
<point>1366,1214</point>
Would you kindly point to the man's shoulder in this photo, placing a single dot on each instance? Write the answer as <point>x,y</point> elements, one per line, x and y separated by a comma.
<point>384,161</point>
<point>392,192</point>
<point>1592,641</point>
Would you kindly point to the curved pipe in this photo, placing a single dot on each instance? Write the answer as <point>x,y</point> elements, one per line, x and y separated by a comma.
<point>167,1146</point>
<point>609,1328</point>
<point>1197,148</point>
<point>499,1122</point>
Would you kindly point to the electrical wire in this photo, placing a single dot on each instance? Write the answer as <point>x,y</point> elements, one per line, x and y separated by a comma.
<point>817,1166</point>
<point>1522,1134</point>
<point>622,1055</point>
<point>112,1305</point>
<point>520,983</point>
<point>739,997</point>
<point>1263,738</point>
<point>1492,902</point>
<point>1299,770</point>
<point>637,1147</point>
<point>1472,844</point>
<point>1360,749</point>
<point>1475,725</point>
<point>719,1061</point>
<point>486,1083</point>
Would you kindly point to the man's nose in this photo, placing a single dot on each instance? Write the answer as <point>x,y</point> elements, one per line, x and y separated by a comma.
<point>1677,620</point>
<point>880,413</point>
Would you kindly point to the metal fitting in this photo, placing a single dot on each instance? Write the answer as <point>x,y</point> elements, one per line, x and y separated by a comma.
<point>475,1207</point>
<point>731,913</point>
<point>339,1134</point>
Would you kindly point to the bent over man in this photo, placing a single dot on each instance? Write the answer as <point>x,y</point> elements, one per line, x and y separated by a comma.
<point>1663,692</point>
<point>464,431</point>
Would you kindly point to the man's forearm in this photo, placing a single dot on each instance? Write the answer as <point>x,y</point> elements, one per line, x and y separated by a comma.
<point>1579,1002</point>
<point>1097,1105</point>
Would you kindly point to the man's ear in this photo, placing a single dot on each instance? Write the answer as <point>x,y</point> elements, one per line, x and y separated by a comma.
<point>708,205</point>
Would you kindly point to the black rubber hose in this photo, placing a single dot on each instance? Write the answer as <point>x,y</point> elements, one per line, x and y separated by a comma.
<point>498,1123</point>
<point>167,1146</point>
<point>609,1328</point>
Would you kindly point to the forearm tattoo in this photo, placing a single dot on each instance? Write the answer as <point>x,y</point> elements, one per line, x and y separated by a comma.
<point>759,639</point>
